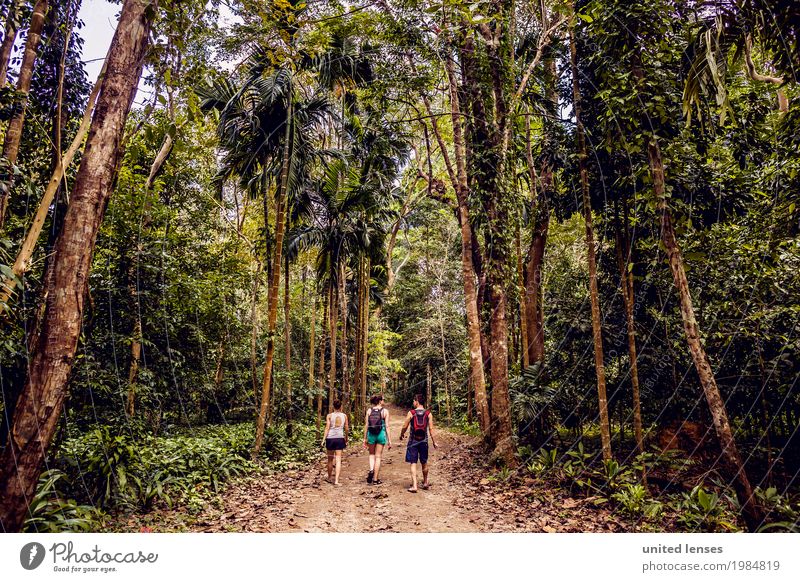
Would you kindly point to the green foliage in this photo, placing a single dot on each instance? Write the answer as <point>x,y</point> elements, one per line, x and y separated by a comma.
<point>702,510</point>
<point>500,475</point>
<point>461,425</point>
<point>781,515</point>
<point>634,501</point>
<point>50,512</point>
<point>118,472</point>
<point>531,400</point>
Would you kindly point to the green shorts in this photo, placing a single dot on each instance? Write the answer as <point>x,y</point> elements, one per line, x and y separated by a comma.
<point>377,439</point>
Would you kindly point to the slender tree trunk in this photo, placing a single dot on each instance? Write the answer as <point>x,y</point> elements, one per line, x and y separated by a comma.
<point>359,328</point>
<point>9,38</point>
<point>41,402</point>
<point>133,287</point>
<point>626,287</point>
<point>254,331</point>
<point>730,452</point>
<point>534,292</point>
<point>365,337</point>
<point>321,374</point>
<point>213,411</point>
<point>469,399</point>
<point>333,316</point>
<point>597,329</point>
<point>287,342</point>
<point>346,395</point>
<point>281,202</point>
<point>312,353</point>
<point>766,424</point>
<point>23,260</point>
<point>448,403</point>
<point>540,212</point>
<point>133,274</point>
<point>428,385</point>
<point>14,130</point>
<point>523,307</point>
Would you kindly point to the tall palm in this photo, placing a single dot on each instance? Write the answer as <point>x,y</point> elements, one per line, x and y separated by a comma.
<point>350,211</point>
<point>343,67</point>
<point>267,134</point>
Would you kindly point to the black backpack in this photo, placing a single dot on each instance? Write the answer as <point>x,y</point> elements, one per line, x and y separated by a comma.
<point>419,425</point>
<point>375,421</point>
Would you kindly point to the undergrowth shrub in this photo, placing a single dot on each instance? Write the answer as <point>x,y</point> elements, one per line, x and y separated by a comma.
<point>100,471</point>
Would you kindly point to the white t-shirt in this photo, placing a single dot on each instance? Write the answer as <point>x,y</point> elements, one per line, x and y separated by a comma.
<point>336,430</point>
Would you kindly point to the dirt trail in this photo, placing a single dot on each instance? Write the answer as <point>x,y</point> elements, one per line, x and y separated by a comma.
<point>460,498</point>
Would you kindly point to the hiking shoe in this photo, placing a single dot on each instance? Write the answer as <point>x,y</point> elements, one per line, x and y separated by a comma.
<point>370,475</point>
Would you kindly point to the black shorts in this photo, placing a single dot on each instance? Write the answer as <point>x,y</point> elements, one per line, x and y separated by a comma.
<point>337,444</point>
<point>417,450</point>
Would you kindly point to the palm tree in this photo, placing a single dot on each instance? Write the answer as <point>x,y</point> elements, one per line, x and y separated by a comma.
<point>267,134</point>
<point>343,67</point>
<point>350,208</point>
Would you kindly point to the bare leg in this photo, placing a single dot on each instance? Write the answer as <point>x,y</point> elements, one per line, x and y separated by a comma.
<point>372,457</point>
<point>424,475</point>
<point>378,453</point>
<point>413,477</point>
<point>338,466</point>
<point>330,465</point>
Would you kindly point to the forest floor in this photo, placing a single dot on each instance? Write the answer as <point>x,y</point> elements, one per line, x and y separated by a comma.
<point>464,496</point>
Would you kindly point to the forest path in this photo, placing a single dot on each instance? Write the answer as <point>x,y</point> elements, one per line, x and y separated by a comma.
<point>302,500</point>
<point>461,498</point>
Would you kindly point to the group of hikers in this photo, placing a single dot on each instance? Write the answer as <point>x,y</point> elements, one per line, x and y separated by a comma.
<point>419,423</point>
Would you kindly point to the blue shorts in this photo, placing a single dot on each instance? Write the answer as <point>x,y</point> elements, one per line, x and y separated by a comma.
<point>417,450</point>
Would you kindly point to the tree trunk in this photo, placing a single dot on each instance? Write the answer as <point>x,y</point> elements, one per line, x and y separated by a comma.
<point>623,249</point>
<point>428,385</point>
<point>9,38</point>
<point>469,399</point>
<point>333,317</point>
<point>597,329</point>
<point>542,191</point>
<point>523,308</point>
<point>133,275</point>
<point>42,399</point>
<point>498,347</point>
<point>254,331</point>
<point>281,202</point>
<point>359,328</point>
<point>213,410</point>
<point>345,394</point>
<point>311,353</point>
<point>448,403</point>
<point>730,452</point>
<point>766,423</point>
<point>365,337</point>
<point>321,378</point>
<point>14,130</point>
<point>477,372</point>
<point>534,292</point>
<point>287,342</point>
<point>486,113</point>
<point>23,260</point>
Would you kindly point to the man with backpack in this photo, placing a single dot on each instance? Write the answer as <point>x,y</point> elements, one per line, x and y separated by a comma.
<point>421,422</point>
<point>376,436</point>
